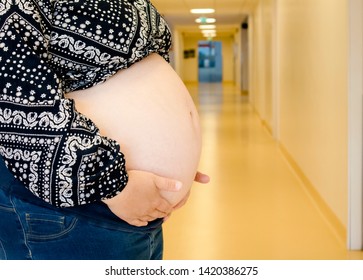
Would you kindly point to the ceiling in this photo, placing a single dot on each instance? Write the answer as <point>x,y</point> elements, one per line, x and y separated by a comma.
<point>228,13</point>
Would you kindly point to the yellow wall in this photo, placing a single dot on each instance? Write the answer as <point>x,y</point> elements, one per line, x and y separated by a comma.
<point>190,66</point>
<point>312,42</point>
<point>262,61</point>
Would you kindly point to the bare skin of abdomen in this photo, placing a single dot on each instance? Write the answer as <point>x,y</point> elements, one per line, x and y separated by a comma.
<point>149,112</point>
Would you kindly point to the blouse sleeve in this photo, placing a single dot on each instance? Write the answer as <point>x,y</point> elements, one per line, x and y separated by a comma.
<point>54,150</point>
<point>49,48</point>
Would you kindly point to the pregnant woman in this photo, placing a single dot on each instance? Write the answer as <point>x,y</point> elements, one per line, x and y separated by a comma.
<point>99,138</point>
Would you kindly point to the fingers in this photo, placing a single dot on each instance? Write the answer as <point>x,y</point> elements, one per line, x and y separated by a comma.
<point>153,214</point>
<point>137,223</point>
<point>164,206</point>
<point>156,214</point>
<point>141,201</point>
<point>141,222</point>
<point>167,184</point>
<point>201,178</point>
<point>145,219</point>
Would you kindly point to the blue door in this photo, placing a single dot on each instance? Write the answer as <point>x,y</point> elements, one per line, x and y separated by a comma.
<point>210,61</point>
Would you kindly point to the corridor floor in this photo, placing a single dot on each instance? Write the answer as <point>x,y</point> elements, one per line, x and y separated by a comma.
<point>255,207</point>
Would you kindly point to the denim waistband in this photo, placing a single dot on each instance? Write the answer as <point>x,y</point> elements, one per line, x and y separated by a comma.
<point>5,176</point>
<point>97,211</point>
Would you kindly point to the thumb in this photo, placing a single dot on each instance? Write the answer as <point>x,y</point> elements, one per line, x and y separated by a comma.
<point>167,184</point>
<point>201,178</point>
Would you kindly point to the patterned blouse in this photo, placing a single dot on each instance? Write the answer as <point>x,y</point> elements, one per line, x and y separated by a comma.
<point>49,48</point>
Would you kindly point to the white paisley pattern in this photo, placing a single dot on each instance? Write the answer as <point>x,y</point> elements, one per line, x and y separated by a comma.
<point>4,6</point>
<point>49,48</point>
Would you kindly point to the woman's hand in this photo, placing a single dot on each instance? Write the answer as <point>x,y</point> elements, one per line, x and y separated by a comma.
<point>140,201</point>
<point>199,178</point>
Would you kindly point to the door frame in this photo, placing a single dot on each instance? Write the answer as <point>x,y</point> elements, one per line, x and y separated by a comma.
<point>355,126</point>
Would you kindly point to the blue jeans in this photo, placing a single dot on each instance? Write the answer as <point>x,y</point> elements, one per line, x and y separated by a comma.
<point>33,229</point>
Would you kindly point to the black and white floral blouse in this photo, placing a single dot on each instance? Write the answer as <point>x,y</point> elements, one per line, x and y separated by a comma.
<point>49,48</point>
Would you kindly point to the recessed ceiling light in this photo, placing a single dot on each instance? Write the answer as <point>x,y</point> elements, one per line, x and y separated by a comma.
<point>212,31</point>
<point>202,11</point>
<point>207,26</point>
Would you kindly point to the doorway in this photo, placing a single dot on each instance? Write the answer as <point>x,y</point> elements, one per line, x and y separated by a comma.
<point>210,61</point>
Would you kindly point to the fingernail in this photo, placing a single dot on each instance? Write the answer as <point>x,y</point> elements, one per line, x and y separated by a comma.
<point>178,185</point>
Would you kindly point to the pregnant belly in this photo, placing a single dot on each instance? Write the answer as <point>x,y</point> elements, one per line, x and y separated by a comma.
<point>149,112</point>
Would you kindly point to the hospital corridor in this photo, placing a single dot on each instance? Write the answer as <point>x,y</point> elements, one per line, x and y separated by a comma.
<point>255,206</point>
<point>278,85</point>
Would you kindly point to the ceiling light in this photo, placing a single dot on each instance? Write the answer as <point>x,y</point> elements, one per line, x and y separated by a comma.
<point>209,32</point>
<point>205,20</point>
<point>202,11</point>
<point>207,26</point>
